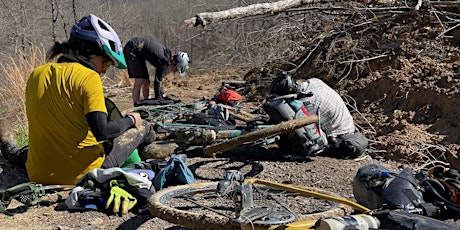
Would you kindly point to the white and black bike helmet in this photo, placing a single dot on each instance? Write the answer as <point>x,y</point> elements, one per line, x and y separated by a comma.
<point>283,84</point>
<point>181,60</point>
<point>92,28</point>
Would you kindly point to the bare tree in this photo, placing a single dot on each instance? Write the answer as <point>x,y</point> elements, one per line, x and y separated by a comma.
<point>54,16</point>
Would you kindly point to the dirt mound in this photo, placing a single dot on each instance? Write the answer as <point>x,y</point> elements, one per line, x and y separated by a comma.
<point>399,75</point>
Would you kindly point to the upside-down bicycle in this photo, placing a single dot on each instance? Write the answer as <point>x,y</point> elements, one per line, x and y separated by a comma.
<point>239,203</point>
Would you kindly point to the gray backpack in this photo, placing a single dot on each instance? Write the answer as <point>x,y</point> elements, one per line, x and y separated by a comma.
<point>376,187</point>
<point>309,140</point>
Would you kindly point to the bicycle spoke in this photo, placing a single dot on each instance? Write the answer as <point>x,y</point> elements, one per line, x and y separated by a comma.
<point>208,208</point>
<point>199,206</point>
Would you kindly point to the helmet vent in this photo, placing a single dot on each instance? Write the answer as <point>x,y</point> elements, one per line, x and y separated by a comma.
<point>88,27</point>
<point>112,45</point>
<point>102,25</point>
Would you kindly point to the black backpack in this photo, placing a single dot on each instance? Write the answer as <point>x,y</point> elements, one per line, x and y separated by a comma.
<point>308,140</point>
<point>376,187</point>
<point>423,193</point>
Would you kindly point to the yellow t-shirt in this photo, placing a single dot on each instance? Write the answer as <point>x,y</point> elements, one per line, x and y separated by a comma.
<point>61,146</point>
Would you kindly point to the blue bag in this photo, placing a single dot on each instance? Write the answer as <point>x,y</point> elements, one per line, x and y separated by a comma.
<point>174,173</point>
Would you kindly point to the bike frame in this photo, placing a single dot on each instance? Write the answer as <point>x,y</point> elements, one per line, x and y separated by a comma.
<point>220,134</point>
<point>307,224</point>
<point>243,194</point>
<point>241,191</point>
<point>166,112</point>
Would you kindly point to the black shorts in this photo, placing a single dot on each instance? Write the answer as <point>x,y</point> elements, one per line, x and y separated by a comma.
<point>137,66</point>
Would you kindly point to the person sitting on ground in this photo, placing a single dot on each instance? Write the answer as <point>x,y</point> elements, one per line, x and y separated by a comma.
<point>336,121</point>
<point>69,130</point>
<point>137,52</point>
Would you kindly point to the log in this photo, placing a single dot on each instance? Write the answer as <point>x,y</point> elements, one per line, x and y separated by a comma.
<point>206,18</point>
<point>279,129</point>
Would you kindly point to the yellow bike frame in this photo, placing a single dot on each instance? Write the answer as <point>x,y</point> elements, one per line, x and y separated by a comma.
<point>307,224</point>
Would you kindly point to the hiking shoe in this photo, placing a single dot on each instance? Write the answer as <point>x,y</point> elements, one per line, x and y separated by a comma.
<point>137,104</point>
<point>167,98</point>
<point>158,150</point>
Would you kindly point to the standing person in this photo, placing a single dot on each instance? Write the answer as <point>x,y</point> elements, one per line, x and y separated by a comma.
<point>69,130</point>
<point>137,52</point>
<point>336,121</point>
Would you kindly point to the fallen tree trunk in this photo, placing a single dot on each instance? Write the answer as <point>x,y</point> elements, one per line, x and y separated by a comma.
<point>206,18</point>
<point>251,10</point>
<point>278,129</point>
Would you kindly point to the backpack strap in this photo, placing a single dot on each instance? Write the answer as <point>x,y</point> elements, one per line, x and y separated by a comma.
<point>28,193</point>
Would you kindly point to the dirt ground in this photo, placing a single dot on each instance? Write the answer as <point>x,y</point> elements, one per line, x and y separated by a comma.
<point>265,163</point>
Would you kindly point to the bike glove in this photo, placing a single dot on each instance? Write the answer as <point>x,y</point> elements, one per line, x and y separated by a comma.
<point>120,197</point>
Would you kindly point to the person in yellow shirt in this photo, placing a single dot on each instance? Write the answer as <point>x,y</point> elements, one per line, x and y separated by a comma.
<point>70,132</point>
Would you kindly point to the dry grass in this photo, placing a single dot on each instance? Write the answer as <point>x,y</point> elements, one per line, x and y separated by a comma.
<point>121,79</point>
<point>13,81</point>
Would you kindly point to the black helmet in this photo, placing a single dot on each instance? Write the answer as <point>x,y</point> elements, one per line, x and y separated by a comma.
<point>283,84</point>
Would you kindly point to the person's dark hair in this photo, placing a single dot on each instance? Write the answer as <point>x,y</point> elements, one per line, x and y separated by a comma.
<point>57,49</point>
<point>77,47</point>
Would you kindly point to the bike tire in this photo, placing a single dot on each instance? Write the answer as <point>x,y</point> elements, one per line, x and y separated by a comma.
<point>278,129</point>
<point>158,207</point>
<point>166,112</point>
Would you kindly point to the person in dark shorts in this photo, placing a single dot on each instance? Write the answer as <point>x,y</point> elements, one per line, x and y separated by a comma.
<point>137,52</point>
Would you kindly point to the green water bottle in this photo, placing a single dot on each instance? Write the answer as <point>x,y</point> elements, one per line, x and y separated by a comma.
<point>133,158</point>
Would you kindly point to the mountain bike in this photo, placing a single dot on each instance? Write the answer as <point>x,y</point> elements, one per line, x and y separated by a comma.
<point>177,112</point>
<point>180,112</point>
<point>216,140</point>
<point>239,203</point>
<point>171,122</point>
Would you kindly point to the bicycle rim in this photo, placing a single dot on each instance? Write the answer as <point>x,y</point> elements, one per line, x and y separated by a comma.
<point>188,205</point>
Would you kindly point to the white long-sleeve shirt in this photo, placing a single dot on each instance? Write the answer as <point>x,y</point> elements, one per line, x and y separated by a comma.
<point>335,118</point>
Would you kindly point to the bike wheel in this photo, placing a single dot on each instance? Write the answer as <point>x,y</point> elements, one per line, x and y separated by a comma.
<point>199,206</point>
<point>169,112</point>
<point>278,129</point>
